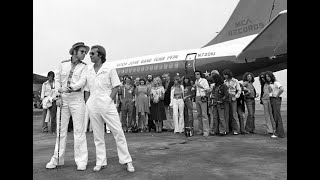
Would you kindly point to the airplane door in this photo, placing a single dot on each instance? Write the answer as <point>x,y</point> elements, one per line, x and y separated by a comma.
<point>190,62</point>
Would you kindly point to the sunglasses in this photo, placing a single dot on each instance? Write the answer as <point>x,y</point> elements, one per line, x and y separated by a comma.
<point>92,53</point>
<point>197,73</point>
<point>83,52</point>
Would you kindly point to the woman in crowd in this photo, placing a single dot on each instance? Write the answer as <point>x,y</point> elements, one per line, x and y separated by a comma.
<point>250,95</point>
<point>219,95</point>
<point>241,110</point>
<point>142,104</point>
<point>48,97</point>
<point>157,103</point>
<point>267,105</point>
<point>188,105</point>
<point>127,100</point>
<point>275,101</point>
<point>177,104</point>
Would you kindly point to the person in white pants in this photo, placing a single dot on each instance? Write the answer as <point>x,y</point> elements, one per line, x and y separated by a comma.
<point>73,104</point>
<point>102,83</point>
<point>177,104</point>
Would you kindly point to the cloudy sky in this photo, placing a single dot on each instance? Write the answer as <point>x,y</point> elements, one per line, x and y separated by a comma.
<point>125,28</point>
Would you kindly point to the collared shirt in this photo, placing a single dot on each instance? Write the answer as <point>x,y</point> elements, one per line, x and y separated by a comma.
<point>63,75</point>
<point>205,86</point>
<point>234,88</point>
<point>100,83</point>
<point>275,88</point>
<point>48,91</point>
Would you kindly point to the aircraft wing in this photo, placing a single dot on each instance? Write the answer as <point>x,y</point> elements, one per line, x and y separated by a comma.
<point>38,79</point>
<point>271,41</point>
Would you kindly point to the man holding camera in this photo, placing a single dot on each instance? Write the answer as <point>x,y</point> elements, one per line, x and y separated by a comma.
<point>201,86</point>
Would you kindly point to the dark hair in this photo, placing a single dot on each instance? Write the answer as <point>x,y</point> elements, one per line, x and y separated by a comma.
<point>101,52</point>
<point>245,77</point>
<point>188,83</point>
<point>228,72</point>
<point>260,79</point>
<point>217,79</point>
<point>142,79</point>
<point>198,72</point>
<point>272,77</point>
<point>51,73</point>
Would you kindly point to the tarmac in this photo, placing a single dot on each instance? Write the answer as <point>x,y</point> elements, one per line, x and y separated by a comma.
<point>173,156</point>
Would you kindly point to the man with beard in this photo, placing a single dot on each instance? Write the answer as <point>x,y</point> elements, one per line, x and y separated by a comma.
<point>151,125</point>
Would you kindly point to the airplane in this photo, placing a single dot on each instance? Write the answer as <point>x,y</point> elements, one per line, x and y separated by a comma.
<point>254,39</point>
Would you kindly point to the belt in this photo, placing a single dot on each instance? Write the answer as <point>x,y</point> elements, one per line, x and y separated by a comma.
<point>178,97</point>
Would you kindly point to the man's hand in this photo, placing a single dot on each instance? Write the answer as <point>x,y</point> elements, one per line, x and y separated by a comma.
<point>63,90</point>
<point>59,102</point>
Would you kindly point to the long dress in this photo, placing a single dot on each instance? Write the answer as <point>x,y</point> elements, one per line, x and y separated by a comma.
<point>142,101</point>
<point>157,105</point>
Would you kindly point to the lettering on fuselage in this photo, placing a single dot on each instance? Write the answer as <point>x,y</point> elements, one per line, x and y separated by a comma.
<point>206,54</point>
<point>244,26</point>
<point>147,61</point>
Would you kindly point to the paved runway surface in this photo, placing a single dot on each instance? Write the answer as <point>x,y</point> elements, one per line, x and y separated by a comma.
<point>173,156</point>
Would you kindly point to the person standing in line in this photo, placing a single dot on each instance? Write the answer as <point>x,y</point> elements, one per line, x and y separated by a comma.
<point>151,124</point>
<point>134,113</point>
<point>167,84</point>
<point>275,100</point>
<point>48,97</point>
<point>73,105</point>
<point>142,104</point>
<point>201,86</point>
<point>102,82</point>
<point>127,101</point>
<point>265,98</point>
<point>157,112</point>
<point>230,106</point>
<point>241,109</point>
<point>177,104</point>
<point>250,95</point>
<point>188,105</point>
<point>220,94</point>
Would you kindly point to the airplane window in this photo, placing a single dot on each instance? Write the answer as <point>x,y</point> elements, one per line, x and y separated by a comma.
<point>142,68</point>
<point>176,64</point>
<point>170,65</point>
<point>138,69</point>
<point>146,68</point>
<point>122,71</point>
<point>160,66</point>
<point>155,67</point>
<point>165,65</point>
<point>134,69</point>
<point>126,70</point>
<point>151,67</point>
<point>130,70</point>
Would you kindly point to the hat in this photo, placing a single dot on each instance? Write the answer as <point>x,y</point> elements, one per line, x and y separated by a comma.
<point>78,44</point>
<point>214,72</point>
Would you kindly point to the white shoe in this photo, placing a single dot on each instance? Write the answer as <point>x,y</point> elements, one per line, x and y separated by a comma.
<point>81,168</point>
<point>50,165</point>
<point>274,136</point>
<point>98,168</point>
<point>130,167</point>
<point>108,131</point>
<point>235,133</point>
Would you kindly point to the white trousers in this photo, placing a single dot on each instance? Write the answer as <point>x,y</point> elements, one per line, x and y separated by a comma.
<point>178,107</point>
<point>73,105</point>
<point>103,110</point>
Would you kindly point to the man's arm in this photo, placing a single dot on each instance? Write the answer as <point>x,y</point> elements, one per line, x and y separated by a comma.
<point>114,92</point>
<point>82,80</point>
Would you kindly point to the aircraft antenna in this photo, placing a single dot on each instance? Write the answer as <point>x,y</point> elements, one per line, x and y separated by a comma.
<point>271,10</point>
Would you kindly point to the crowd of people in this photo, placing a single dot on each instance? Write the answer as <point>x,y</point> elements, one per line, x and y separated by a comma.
<point>97,95</point>
<point>155,103</point>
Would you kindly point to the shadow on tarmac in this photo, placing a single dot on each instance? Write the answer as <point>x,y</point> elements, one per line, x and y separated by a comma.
<point>173,156</point>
